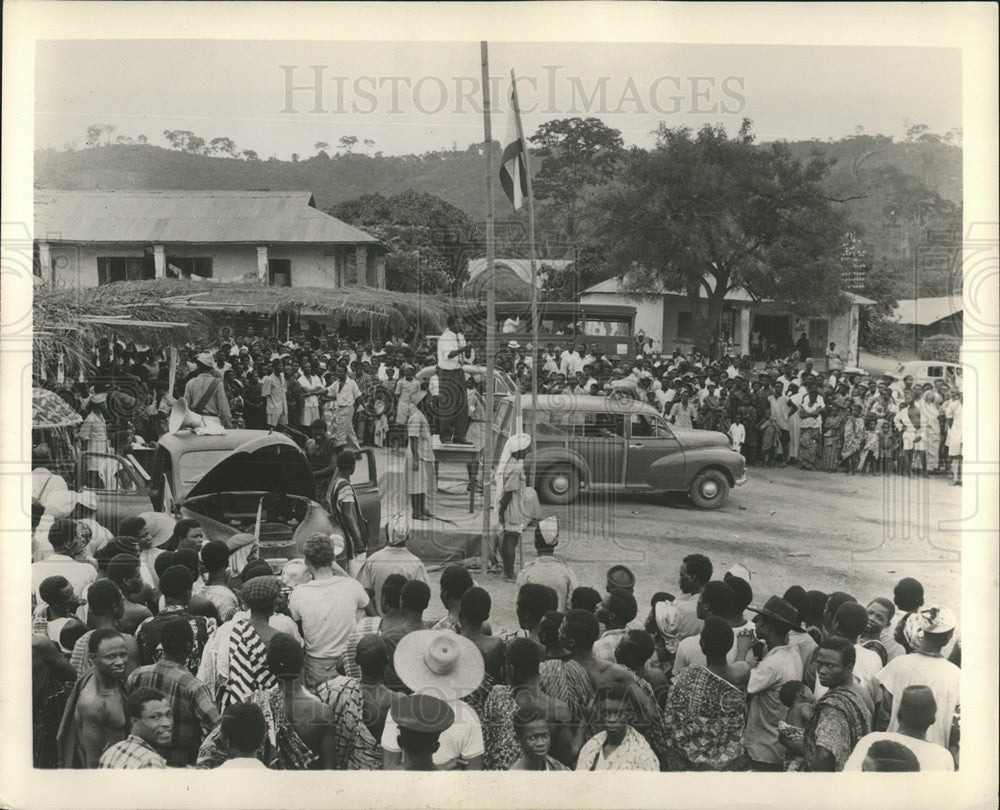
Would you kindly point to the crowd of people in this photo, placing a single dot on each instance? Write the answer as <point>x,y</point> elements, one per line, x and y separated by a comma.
<point>332,394</point>
<point>157,649</point>
<point>153,648</point>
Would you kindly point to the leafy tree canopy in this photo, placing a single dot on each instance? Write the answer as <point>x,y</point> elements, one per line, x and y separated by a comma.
<point>705,214</point>
<point>430,241</point>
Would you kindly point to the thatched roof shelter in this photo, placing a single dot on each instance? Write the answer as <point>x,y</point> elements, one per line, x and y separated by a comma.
<point>177,312</point>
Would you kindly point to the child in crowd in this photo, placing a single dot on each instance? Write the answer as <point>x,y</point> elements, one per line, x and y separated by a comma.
<point>869,455</point>
<point>532,731</point>
<point>737,435</point>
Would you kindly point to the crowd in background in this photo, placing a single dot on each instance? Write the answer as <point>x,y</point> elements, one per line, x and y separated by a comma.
<point>787,412</point>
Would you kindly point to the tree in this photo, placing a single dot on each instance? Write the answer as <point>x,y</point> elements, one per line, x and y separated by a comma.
<point>94,134</point>
<point>576,155</point>
<point>430,241</point>
<point>141,139</point>
<point>348,141</point>
<point>321,146</point>
<point>222,146</point>
<point>707,214</point>
<point>369,143</point>
<point>295,157</point>
<point>109,130</point>
<point>125,139</point>
<point>250,155</point>
<point>178,138</point>
<point>195,145</point>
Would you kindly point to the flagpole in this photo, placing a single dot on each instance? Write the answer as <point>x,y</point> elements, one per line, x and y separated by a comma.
<point>491,317</point>
<point>534,281</point>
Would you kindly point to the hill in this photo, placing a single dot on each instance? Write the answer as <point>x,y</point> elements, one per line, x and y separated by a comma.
<point>457,177</point>
<point>895,194</point>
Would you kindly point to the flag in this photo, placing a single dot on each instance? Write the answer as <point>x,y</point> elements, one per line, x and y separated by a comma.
<point>513,171</point>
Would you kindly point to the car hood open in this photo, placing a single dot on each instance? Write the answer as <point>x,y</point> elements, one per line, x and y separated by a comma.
<point>272,463</point>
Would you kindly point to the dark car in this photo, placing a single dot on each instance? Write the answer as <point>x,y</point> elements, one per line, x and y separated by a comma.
<point>617,442</point>
<point>225,482</point>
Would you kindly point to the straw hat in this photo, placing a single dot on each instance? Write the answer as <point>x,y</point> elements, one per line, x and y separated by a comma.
<point>205,359</point>
<point>439,662</point>
<point>160,526</point>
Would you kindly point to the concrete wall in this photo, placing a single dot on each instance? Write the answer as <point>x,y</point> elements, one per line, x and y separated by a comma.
<point>312,265</point>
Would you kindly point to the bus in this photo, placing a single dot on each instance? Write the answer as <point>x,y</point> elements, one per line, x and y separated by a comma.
<point>610,326</point>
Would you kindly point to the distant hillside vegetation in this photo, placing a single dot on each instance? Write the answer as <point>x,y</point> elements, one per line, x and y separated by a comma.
<point>863,162</point>
<point>456,177</point>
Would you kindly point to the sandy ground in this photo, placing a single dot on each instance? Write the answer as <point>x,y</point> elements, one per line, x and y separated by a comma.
<point>825,531</point>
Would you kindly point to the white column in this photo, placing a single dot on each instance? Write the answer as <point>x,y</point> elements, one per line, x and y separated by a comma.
<point>159,261</point>
<point>380,271</point>
<point>262,264</point>
<point>45,262</point>
<point>361,264</point>
<point>744,330</point>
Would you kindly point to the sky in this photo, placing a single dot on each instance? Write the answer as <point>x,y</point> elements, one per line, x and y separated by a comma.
<point>421,96</point>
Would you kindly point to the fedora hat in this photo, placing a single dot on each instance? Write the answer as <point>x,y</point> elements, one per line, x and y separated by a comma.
<point>439,662</point>
<point>778,610</point>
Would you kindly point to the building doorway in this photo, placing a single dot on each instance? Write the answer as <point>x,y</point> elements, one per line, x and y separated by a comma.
<point>775,332</point>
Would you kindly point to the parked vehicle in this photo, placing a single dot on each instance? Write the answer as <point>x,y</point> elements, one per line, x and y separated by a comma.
<point>929,371</point>
<point>224,481</point>
<point>617,442</point>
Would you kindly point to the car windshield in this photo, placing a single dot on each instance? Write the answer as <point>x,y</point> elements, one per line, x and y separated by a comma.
<point>194,464</point>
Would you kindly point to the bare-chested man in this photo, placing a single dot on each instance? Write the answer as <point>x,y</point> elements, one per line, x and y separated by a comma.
<point>95,711</point>
<point>586,673</point>
<point>473,611</point>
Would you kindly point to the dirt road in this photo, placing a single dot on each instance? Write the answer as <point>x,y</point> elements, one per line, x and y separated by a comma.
<point>827,531</point>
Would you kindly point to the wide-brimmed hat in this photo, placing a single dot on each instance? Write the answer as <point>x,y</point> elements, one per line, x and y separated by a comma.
<point>439,662</point>
<point>160,526</point>
<point>781,612</point>
<point>205,359</point>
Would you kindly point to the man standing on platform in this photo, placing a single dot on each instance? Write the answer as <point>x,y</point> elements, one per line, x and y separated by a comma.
<point>453,403</point>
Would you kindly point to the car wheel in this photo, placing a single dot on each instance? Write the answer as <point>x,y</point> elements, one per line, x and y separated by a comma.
<point>709,489</point>
<point>559,484</point>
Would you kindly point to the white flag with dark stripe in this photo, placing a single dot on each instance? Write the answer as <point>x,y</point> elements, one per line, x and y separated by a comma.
<point>513,172</point>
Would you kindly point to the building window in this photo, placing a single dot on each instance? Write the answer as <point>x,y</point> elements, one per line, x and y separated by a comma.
<point>279,272</point>
<point>124,268</point>
<point>684,325</point>
<point>185,267</point>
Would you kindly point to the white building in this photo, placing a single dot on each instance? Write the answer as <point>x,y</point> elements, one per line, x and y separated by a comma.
<point>667,318</point>
<point>87,238</point>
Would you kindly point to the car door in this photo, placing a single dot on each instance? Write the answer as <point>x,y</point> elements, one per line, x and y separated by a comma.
<point>365,483</point>
<point>602,444</point>
<point>654,457</point>
<point>120,486</point>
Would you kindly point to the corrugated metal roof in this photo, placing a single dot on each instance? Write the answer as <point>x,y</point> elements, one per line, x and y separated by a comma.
<point>925,311</point>
<point>188,216</point>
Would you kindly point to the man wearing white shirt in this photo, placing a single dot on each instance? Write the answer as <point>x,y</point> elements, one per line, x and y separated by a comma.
<point>571,360</point>
<point>346,396</point>
<point>917,713</point>
<point>453,404</point>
